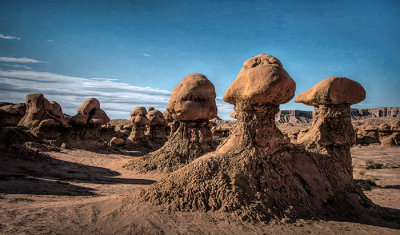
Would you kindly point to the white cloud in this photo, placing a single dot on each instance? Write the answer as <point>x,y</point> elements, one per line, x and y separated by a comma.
<point>17,66</point>
<point>116,98</point>
<point>19,60</point>
<point>2,36</point>
<point>49,40</point>
<point>145,54</point>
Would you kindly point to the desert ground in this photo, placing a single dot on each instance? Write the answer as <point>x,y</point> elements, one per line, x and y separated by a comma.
<point>75,191</point>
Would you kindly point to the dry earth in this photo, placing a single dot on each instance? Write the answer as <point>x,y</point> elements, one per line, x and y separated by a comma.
<point>82,192</point>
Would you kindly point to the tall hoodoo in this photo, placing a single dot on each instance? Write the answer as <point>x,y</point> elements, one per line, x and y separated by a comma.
<point>256,173</point>
<point>139,121</point>
<point>192,104</point>
<point>331,131</point>
<point>331,99</point>
<point>156,125</point>
<point>261,86</point>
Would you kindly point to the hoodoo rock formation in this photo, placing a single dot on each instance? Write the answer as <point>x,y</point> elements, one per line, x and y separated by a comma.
<point>192,104</point>
<point>331,131</point>
<point>255,173</point>
<point>86,125</point>
<point>90,113</point>
<point>139,121</point>
<point>42,117</point>
<point>331,124</point>
<point>156,125</point>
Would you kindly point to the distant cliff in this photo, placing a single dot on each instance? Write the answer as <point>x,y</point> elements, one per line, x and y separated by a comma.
<point>299,116</point>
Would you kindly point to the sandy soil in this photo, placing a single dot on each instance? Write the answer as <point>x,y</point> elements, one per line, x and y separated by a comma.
<point>82,192</point>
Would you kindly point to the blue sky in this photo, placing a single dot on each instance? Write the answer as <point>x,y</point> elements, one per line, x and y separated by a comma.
<point>131,53</point>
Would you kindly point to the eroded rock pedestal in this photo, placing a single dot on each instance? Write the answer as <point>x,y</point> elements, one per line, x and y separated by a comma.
<point>331,132</point>
<point>43,118</point>
<point>192,103</point>
<point>139,121</point>
<point>156,130</point>
<point>86,126</point>
<point>255,173</point>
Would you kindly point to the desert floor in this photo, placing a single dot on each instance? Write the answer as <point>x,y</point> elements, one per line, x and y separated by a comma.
<point>81,192</point>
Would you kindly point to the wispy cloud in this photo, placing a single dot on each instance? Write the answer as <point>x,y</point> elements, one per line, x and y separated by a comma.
<point>116,98</point>
<point>145,54</point>
<point>19,60</point>
<point>16,66</point>
<point>2,36</point>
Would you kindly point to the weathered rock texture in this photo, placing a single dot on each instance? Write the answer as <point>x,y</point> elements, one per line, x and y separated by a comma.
<point>42,117</point>
<point>333,90</point>
<point>156,125</point>
<point>171,123</point>
<point>193,99</point>
<point>372,132</point>
<point>261,80</point>
<point>89,113</point>
<point>331,125</point>
<point>256,173</point>
<point>11,114</point>
<point>86,131</point>
<point>192,103</point>
<point>332,131</point>
<point>139,121</point>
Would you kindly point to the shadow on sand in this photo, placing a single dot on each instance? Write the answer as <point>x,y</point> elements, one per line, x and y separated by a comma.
<point>29,172</point>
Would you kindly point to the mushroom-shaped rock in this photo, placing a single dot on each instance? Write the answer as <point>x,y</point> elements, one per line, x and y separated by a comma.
<point>193,99</point>
<point>333,90</point>
<point>261,80</point>
<point>192,104</point>
<point>331,125</point>
<point>255,173</point>
<point>90,113</point>
<point>156,118</point>
<point>156,125</point>
<point>88,106</point>
<point>138,111</point>
<point>331,131</point>
<point>99,118</point>
<point>139,121</point>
